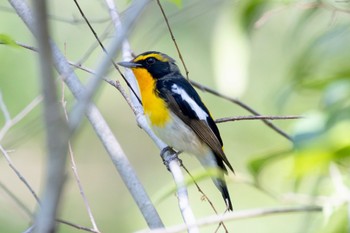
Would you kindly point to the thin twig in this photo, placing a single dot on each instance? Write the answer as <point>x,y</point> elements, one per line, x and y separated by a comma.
<point>241,104</point>
<point>99,125</point>
<point>22,178</point>
<point>172,161</point>
<point>243,214</point>
<point>173,37</point>
<point>120,35</point>
<point>126,55</point>
<point>4,109</point>
<point>81,106</point>
<point>77,226</point>
<point>29,229</point>
<point>173,164</point>
<point>17,200</point>
<point>75,169</point>
<point>204,196</point>
<point>122,91</point>
<point>75,20</point>
<point>202,87</point>
<point>265,119</point>
<point>94,45</point>
<point>243,118</point>
<point>11,122</point>
<point>19,175</point>
<point>115,84</point>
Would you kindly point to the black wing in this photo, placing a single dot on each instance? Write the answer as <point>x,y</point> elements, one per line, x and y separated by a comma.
<point>172,91</point>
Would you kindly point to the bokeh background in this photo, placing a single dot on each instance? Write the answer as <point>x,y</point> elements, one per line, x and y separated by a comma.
<point>278,57</point>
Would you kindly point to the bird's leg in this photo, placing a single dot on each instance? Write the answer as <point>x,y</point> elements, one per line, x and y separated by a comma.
<point>168,154</point>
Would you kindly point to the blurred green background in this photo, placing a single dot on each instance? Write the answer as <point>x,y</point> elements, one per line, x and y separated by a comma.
<point>279,57</point>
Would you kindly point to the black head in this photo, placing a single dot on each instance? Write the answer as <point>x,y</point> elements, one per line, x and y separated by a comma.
<point>157,64</point>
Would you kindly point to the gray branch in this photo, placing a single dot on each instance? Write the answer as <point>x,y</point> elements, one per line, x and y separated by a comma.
<point>100,126</point>
<point>96,79</point>
<point>57,134</point>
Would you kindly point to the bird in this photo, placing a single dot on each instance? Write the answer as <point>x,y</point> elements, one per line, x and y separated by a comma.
<point>178,116</point>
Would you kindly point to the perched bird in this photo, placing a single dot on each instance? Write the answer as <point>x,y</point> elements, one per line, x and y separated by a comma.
<point>177,114</point>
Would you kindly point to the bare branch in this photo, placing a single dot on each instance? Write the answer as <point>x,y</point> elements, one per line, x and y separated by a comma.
<point>243,118</point>
<point>203,88</point>
<point>11,122</point>
<point>205,197</point>
<point>77,226</point>
<point>172,161</point>
<point>182,195</point>
<point>173,37</point>
<point>100,126</point>
<point>94,45</point>
<point>243,214</point>
<point>17,200</point>
<point>19,175</point>
<point>55,125</point>
<point>115,45</point>
<point>75,169</point>
<point>4,110</point>
<point>241,104</point>
<point>30,229</point>
<point>117,85</point>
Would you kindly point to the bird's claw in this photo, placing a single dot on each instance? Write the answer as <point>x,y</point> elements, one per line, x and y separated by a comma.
<point>168,154</point>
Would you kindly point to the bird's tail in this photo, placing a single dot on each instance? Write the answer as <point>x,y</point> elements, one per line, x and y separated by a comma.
<point>220,183</point>
<point>217,167</point>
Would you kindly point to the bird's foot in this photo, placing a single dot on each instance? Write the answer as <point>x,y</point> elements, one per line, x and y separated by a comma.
<point>168,155</point>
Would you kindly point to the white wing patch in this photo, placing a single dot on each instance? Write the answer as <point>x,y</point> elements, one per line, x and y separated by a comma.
<point>201,114</point>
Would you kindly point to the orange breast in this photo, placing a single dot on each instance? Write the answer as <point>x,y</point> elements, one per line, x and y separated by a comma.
<point>153,105</point>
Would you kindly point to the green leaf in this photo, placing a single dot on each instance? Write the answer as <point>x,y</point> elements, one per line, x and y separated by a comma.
<point>250,11</point>
<point>5,39</point>
<point>315,155</point>
<point>324,60</point>
<point>256,165</point>
<point>178,3</point>
<point>338,221</point>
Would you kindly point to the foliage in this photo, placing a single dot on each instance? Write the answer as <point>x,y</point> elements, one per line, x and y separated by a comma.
<point>7,40</point>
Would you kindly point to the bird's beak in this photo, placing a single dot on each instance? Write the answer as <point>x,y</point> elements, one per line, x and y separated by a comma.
<point>129,64</point>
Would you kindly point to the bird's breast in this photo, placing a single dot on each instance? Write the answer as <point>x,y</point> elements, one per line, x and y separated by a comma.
<point>155,108</point>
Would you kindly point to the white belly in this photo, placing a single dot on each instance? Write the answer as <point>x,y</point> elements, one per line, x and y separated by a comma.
<point>181,137</point>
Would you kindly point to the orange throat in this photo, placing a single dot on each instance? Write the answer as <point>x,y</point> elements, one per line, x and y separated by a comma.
<point>154,107</point>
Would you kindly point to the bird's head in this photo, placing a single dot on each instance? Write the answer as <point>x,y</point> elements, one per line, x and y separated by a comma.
<point>157,64</point>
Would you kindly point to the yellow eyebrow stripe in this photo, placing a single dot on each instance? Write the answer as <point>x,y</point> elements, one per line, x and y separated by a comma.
<point>155,55</point>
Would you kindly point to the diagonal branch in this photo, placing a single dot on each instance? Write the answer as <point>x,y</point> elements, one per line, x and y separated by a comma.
<point>100,126</point>
<point>17,200</point>
<point>170,159</point>
<point>204,88</point>
<point>19,175</point>
<point>9,122</point>
<point>95,81</point>
<point>173,37</point>
<point>244,118</point>
<point>241,104</point>
<point>75,169</point>
<point>55,125</point>
<point>243,214</point>
<point>26,183</point>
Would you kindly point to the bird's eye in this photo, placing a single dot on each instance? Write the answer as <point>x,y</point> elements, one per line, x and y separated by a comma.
<point>150,60</point>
